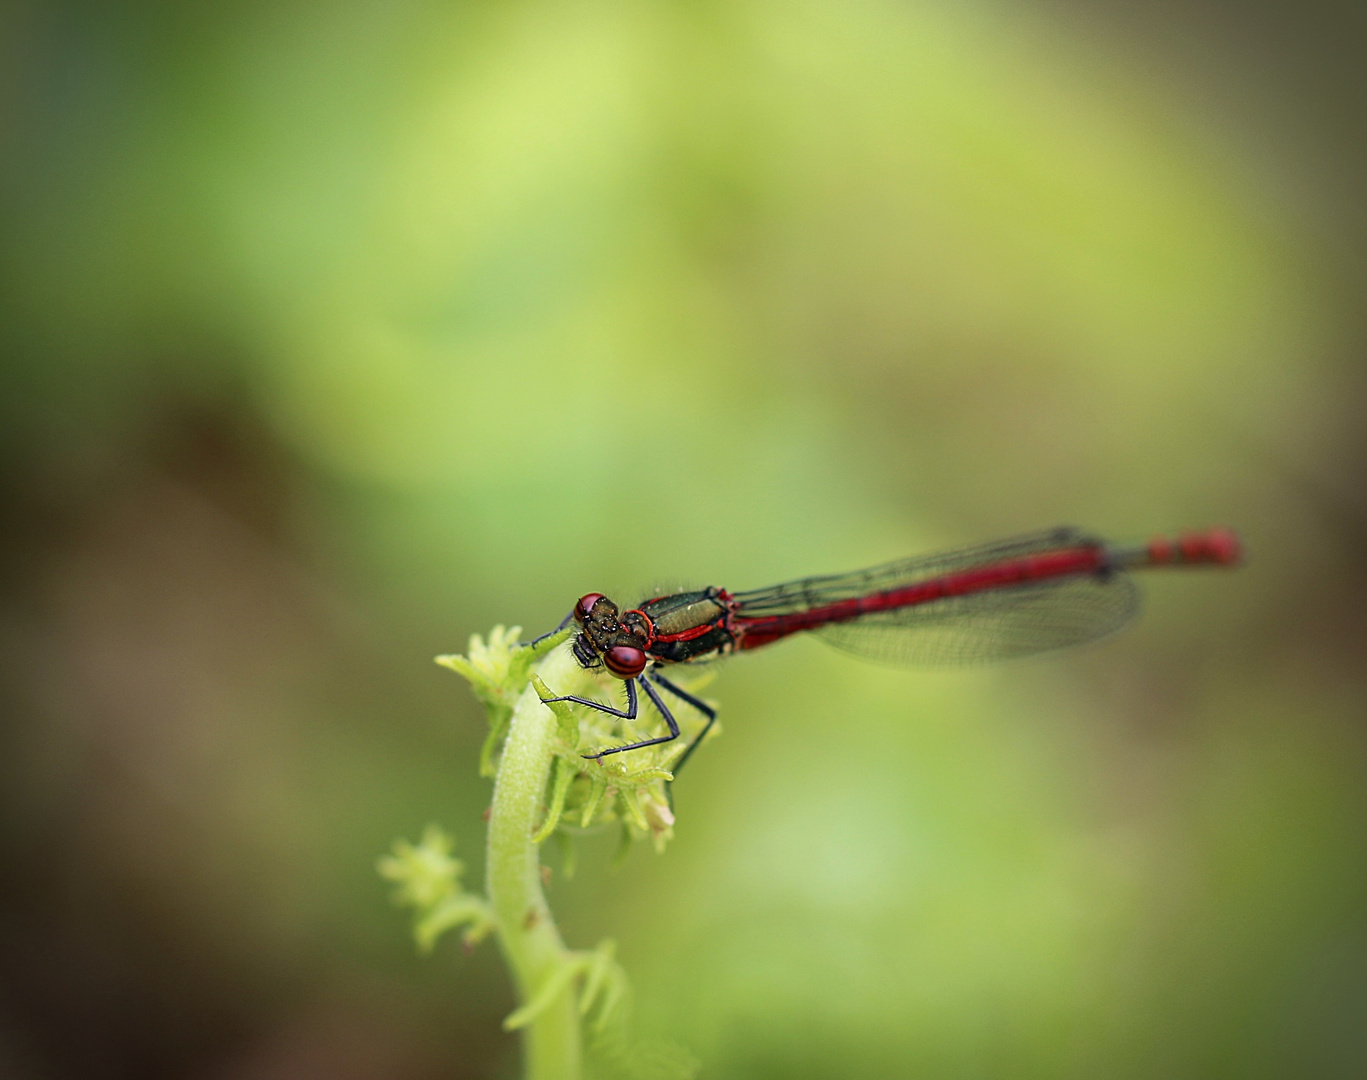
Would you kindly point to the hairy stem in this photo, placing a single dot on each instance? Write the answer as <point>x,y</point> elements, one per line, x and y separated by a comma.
<point>526,933</point>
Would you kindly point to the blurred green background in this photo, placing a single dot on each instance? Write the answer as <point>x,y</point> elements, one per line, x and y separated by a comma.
<point>333,333</point>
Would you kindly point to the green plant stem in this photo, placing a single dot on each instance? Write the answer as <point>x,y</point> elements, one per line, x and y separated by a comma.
<point>526,933</point>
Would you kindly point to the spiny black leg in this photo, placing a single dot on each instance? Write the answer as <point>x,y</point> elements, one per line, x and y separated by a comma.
<point>664,711</point>
<point>684,695</point>
<point>669,719</point>
<point>630,714</point>
<point>549,633</point>
<point>698,704</point>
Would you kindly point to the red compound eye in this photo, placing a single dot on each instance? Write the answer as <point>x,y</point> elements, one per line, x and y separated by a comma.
<point>624,661</point>
<point>584,605</point>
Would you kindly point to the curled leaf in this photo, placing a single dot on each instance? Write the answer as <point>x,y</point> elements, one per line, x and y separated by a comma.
<point>564,773</point>
<point>428,880</point>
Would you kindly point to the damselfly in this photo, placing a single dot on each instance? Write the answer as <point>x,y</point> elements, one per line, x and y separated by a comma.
<point>1007,599</point>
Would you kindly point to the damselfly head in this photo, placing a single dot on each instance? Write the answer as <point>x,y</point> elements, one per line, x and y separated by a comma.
<point>607,639</point>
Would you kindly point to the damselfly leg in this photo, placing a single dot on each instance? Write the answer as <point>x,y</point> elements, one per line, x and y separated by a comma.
<point>549,633</point>
<point>629,714</point>
<point>632,710</point>
<point>697,703</point>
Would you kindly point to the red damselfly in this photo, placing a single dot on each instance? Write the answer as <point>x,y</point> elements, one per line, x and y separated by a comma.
<point>1008,599</point>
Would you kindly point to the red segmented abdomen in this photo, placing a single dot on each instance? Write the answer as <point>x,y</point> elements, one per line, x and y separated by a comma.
<point>751,633</point>
<point>1213,547</point>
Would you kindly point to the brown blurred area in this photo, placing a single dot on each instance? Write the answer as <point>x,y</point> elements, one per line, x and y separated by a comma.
<point>1283,86</point>
<point>161,632</point>
<point>217,713</point>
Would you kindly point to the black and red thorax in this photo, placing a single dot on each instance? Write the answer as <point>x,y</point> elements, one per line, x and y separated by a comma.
<point>679,628</point>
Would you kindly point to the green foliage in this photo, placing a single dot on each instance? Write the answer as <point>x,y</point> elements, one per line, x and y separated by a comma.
<point>497,672</point>
<point>629,789</point>
<point>428,880</point>
<point>570,793</point>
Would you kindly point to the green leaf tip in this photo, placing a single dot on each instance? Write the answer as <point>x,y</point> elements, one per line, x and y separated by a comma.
<point>597,790</point>
<point>498,670</point>
<point>564,774</point>
<point>495,668</point>
<point>565,719</point>
<point>425,872</point>
<point>428,880</point>
<point>605,986</point>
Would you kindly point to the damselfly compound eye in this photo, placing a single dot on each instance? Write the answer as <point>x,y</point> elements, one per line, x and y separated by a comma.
<point>584,605</point>
<point>624,661</point>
